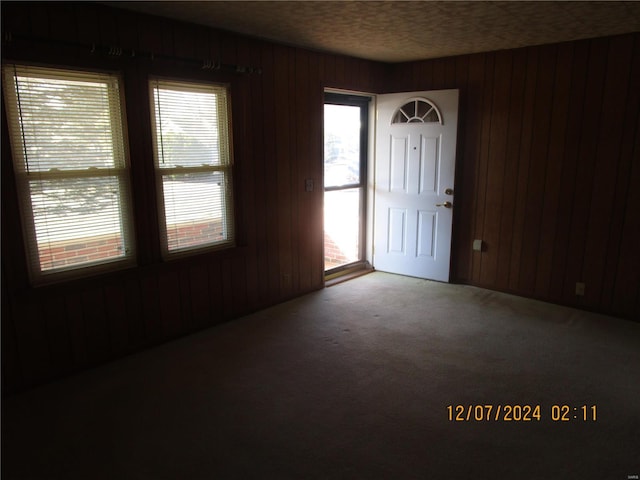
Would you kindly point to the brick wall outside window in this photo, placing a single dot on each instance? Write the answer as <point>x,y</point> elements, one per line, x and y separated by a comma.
<point>333,256</point>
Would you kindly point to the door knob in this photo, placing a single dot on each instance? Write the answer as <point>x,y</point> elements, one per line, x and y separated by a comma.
<point>445,204</point>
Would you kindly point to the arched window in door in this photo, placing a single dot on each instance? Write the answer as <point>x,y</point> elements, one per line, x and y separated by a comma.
<point>417,110</point>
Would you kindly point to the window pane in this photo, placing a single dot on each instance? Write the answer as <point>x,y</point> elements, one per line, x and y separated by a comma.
<point>422,108</point>
<point>188,127</point>
<point>341,145</point>
<point>195,209</point>
<point>77,221</point>
<point>341,227</point>
<point>67,125</point>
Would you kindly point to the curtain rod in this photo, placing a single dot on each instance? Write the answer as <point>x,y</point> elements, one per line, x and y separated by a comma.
<point>114,51</point>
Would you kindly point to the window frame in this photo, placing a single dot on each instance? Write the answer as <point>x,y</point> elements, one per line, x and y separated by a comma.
<point>120,171</point>
<point>229,211</point>
<point>362,102</point>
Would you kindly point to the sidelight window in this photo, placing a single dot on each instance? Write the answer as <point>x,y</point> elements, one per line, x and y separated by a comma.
<point>345,175</point>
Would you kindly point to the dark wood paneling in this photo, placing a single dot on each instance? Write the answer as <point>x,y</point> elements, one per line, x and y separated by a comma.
<point>424,80</point>
<point>340,73</point>
<point>77,332</point>
<point>127,28</point>
<point>248,180</point>
<point>599,244</point>
<point>11,374</point>
<point>169,300</point>
<point>55,315</point>
<point>96,330</point>
<point>540,122</point>
<point>495,160</point>
<point>88,23</point>
<point>110,33</point>
<point>228,48</point>
<point>314,216</point>
<point>467,163</point>
<point>555,162</point>
<point>227,293</point>
<point>304,169</point>
<point>117,318</point>
<point>524,165</point>
<point>462,235</point>
<point>509,191</point>
<point>150,311</point>
<point>584,177</point>
<point>150,34</point>
<point>270,199</point>
<point>282,140</point>
<point>39,13</point>
<point>135,321</point>
<point>622,277</point>
<point>294,162</point>
<point>186,312</point>
<point>480,77</point>
<point>217,289</point>
<point>564,208</point>
<point>32,341</point>
<point>451,72</point>
<point>199,297</point>
<point>184,41</point>
<point>627,287</point>
<point>486,119</point>
<point>63,25</point>
<point>439,72</point>
<point>261,188</point>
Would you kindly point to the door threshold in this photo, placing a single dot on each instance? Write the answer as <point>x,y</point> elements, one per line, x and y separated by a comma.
<point>347,274</point>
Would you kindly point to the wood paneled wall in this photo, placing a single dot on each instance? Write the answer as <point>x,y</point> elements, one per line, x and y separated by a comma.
<point>547,175</point>
<point>277,131</point>
<point>548,169</point>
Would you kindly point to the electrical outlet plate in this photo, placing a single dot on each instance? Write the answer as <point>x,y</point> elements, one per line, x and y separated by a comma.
<point>580,289</point>
<point>477,245</point>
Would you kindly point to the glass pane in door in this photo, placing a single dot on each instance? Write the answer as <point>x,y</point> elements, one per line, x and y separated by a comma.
<point>341,145</point>
<point>341,227</point>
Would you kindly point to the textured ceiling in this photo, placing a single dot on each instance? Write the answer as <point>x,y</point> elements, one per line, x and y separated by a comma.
<point>397,31</point>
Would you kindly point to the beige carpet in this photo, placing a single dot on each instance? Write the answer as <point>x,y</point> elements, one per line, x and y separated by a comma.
<point>351,382</point>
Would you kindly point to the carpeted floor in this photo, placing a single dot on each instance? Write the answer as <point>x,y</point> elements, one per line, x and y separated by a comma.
<point>351,382</point>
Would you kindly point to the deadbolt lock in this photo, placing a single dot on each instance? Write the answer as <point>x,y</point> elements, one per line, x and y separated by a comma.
<point>449,191</point>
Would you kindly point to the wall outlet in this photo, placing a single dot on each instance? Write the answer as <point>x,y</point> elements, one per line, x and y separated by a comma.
<point>580,289</point>
<point>477,245</point>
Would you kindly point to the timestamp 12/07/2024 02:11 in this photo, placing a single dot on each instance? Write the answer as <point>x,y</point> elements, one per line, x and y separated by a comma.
<point>521,413</point>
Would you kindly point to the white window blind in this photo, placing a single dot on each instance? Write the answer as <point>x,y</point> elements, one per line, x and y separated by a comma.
<point>70,162</point>
<point>193,163</point>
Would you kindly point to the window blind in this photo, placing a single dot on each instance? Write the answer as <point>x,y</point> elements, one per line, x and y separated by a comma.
<point>69,153</point>
<point>193,164</point>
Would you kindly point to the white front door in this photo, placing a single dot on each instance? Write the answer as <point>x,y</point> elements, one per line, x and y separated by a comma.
<point>414,172</point>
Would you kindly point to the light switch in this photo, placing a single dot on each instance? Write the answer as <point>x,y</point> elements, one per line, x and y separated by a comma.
<point>308,185</point>
<point>477,245</point>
